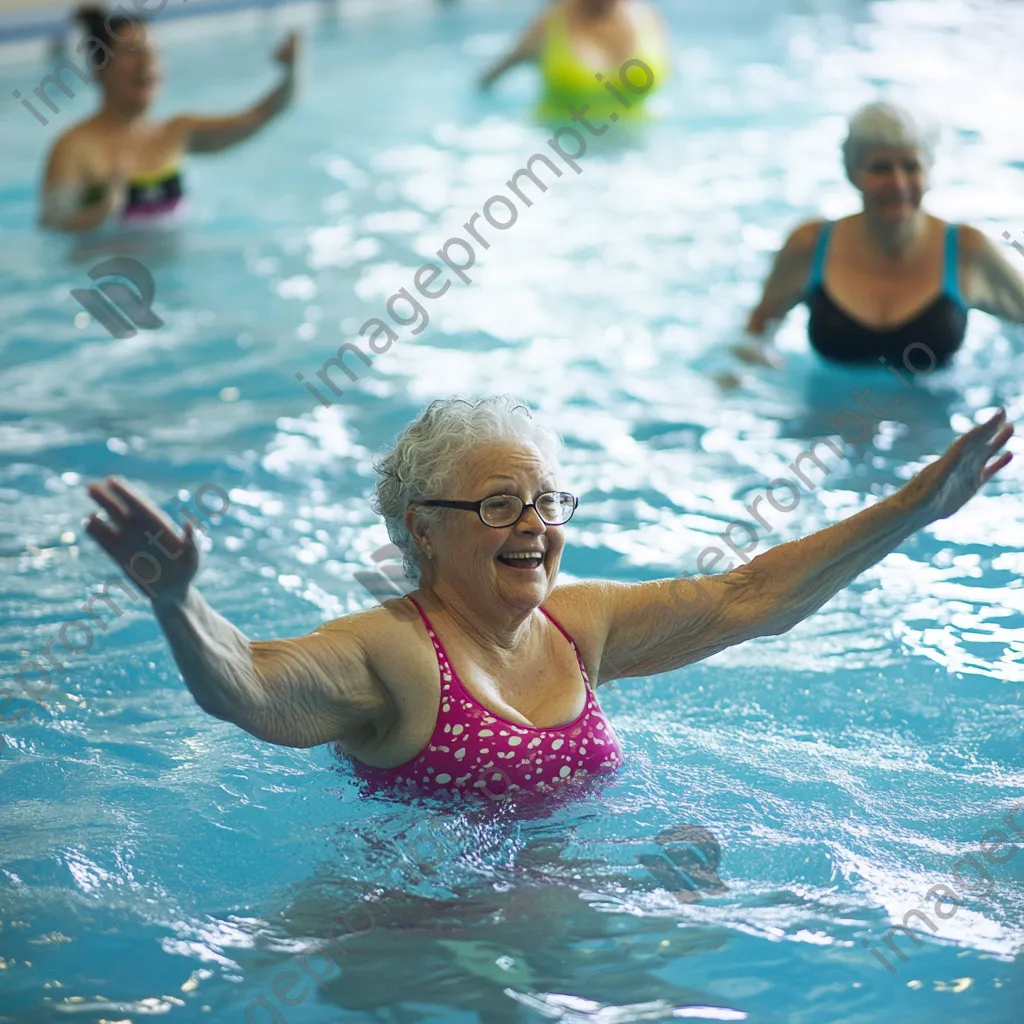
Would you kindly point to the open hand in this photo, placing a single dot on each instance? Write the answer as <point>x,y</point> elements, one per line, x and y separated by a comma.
<point>142,541</point>
<point>951,481</point>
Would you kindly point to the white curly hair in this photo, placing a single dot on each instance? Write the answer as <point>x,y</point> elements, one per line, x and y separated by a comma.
<point>431,451</point>
<point>887,124</point>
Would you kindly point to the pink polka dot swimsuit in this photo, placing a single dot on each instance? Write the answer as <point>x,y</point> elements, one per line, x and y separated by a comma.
<point>474,750</point>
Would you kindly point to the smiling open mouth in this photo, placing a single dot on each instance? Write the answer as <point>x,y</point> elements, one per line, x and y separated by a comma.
<point>522,559</point>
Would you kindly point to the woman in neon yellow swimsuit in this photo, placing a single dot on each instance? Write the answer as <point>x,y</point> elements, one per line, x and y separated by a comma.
<point>605,54</point>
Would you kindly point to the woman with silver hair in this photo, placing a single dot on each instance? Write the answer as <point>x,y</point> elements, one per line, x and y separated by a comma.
<point>891,284</point>
<point>479,682</point>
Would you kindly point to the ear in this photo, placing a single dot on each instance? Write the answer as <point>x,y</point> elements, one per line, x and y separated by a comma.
<point>417,527</point>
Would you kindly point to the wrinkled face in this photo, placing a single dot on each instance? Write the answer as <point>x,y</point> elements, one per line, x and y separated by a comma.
<point>133,74</point>
<point>479,562</point>
<point>892,179</point>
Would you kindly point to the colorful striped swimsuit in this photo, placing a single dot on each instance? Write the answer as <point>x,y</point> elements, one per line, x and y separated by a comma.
<point>474,750</point>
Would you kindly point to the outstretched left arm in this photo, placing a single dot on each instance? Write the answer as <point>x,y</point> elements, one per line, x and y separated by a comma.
<point>992,284</point>
<point>212,134</point>
<point>659,626</point>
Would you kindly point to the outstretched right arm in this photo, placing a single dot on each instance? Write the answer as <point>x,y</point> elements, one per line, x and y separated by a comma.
<point>297,693</point>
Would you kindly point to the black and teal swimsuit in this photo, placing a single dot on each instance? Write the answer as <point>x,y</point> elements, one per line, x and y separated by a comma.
<point>838,337</point>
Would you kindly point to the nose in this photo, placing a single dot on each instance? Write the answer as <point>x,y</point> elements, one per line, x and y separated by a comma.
<point>530,522</point>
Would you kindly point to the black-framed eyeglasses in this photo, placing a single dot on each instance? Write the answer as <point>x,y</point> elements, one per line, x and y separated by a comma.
<point>555,508</point>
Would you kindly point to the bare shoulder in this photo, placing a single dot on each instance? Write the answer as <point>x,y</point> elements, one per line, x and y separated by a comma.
<point>391,640</point>
<point>973,242</point>
<point>804,237</point>
<point>177,129</point>
<point>73,143</point>
<point>374,629</point>
<point>585,609</point>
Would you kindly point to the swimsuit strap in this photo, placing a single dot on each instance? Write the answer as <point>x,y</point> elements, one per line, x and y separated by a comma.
<point>572,644</point>
<point>432,633</point>
<point>442,653</point>
<point>818,260</point>
<point>951,267</point>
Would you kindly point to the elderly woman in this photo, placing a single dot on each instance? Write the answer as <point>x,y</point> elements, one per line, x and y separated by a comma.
<point>891,284</point>
<point>483,679</point>
<point>120,163</point>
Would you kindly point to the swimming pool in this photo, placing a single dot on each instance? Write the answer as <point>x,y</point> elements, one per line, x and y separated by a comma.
<point>159,862</point>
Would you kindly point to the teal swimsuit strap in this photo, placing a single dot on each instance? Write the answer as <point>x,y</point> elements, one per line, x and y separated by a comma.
<point>818,261</point>
<point>951,266</point>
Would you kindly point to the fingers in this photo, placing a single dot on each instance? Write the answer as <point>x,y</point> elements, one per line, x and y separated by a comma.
<point>101,532</point>
<point>999,441</point>
<point>101,494</point>
<point>989,471</point>
<point>129,512</point>
<point>134,502</point>
<point>992,427</point>
<point>992,435</point>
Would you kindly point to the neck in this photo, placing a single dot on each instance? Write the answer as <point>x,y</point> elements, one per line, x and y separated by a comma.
<point>502,627</point>
<point>894,238</point>
<point>120,114</point>
<point>591,11</point>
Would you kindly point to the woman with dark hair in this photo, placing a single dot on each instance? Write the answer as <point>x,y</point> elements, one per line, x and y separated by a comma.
<point>119,162</point>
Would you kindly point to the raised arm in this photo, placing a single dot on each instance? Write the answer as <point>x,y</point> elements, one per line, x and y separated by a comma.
<point>992,284</point>
<point>201,134</point>
<point>296,693</point>
<point>527,48</point>
<point>659,626</point>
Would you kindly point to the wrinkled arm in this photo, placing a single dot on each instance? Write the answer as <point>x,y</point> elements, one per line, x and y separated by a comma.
<point>660,626</point>
<point>297,693</point>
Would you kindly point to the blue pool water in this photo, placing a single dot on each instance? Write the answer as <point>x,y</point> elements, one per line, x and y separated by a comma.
<point>159,862</point>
